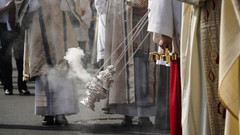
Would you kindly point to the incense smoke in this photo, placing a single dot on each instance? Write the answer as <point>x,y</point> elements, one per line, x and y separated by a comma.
<point>74,56</point>
<point>68,87</point>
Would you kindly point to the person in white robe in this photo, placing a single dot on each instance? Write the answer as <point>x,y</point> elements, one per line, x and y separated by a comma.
<point>101,6</point>
<point>49,33</point>
<point>133,92</point>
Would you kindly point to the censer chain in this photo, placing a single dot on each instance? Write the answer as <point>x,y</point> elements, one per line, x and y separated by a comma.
<point>137,26</point>
<point>130,43</point>
<point>132,56</point>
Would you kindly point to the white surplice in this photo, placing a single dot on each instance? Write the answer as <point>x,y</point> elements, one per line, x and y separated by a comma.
<point>101,9</point>
<point>195,119</point>
<point>165,18</point>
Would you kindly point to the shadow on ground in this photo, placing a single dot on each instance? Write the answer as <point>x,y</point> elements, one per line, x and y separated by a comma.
<point>94,129</point>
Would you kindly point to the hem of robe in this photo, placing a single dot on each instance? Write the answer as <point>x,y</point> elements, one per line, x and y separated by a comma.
<point>51,99</point>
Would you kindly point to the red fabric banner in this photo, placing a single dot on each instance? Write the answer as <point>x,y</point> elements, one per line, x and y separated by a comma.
<point>175,99</point>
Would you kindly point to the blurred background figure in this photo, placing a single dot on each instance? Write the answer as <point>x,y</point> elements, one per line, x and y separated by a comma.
<point>101,7</point>
<point>12,37</point>
<point>92,30</point>
<point>83,28</point>
<point>132,92</point>
<point>49,34</point>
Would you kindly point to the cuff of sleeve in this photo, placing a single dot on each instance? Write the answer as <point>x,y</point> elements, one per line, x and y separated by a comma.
<point>160,30</point>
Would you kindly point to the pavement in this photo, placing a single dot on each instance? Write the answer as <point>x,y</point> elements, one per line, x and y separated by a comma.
<point>17,118</point>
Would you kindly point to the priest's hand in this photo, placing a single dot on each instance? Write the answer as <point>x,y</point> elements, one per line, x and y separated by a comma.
<point>166,42</point>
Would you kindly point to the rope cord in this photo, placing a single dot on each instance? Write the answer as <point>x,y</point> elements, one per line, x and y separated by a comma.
<point>132,55</point>
<point>122,43</point>
<point>130,43</point>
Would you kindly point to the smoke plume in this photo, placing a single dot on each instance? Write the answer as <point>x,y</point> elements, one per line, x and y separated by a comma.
<point>74,56</point>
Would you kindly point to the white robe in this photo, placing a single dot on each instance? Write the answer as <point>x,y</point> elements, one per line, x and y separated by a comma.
<point>46,42</point>
<point>101,9</point>
<point>196,113</point>
<point>165,20</point>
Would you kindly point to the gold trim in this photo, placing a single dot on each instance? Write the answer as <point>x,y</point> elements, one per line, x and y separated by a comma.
<point>220,87</point>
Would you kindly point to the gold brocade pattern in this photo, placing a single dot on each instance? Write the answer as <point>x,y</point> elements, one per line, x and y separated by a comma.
<point>209,28</point>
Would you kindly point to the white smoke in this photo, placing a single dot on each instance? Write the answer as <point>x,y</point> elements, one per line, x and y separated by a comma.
<point>67,88</point>
<point>74,56</point>
<point>62,91</point>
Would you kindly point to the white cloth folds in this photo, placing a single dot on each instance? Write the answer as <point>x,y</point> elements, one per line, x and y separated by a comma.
<point>33,5</point>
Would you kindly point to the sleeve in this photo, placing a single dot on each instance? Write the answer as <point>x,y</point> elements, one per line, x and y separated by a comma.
<point>161,17</point>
